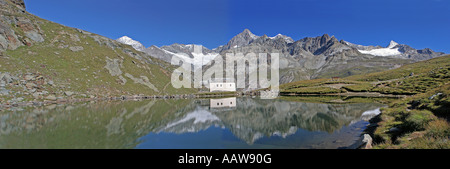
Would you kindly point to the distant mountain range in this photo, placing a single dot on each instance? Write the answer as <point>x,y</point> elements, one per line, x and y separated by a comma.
<point>307,58</point>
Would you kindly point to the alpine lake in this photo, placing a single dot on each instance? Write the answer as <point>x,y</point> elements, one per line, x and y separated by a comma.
<point>219,123</point>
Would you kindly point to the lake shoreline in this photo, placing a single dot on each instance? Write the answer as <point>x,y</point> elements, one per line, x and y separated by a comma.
<point>123,98</point>
<point>347,94</point>
<point>65,100</point>
<point>36,103</point>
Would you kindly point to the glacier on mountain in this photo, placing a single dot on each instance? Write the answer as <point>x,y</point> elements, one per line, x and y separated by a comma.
<point>391,50</point>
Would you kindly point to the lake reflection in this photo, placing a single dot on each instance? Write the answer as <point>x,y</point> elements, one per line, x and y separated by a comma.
<point>184,123</point>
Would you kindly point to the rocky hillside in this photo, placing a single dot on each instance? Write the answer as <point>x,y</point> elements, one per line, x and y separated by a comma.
<point>43,60</point>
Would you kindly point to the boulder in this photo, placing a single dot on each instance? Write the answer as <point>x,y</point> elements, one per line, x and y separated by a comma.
<point>435,95</point>
<point>113,66</point>
<point>19,99</point>
<point>29,77</point>
<point>30,85</point>
<point>4,92</point>
<point>36,95</point>
<point>83,32</point>
<point>51,97</point>
<point>6,77</point>
<point>76,48</point>
<point>367,141</point>
<point>62,46</point>
<point>68,93</point>
<point>35,36</point>
<point>394,130</point>
<point>122,80</point>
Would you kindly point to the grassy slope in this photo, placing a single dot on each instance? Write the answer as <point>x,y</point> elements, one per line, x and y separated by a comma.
<point>419,121</point>
<point>426,75</point>
<point>84,70</point>
<point>416,122</point>
<point>406,70</point>
<point>337,99</point>
<point>315,86</point>
<point>359,66</point>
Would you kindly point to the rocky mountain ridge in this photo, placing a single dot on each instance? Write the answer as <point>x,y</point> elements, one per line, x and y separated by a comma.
<point>311,57</point>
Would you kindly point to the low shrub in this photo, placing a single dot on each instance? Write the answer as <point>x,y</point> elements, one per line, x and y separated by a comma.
<point>364,87</point>
<point>313,90</point>
<point>418,120</point>
<point>438,128</point>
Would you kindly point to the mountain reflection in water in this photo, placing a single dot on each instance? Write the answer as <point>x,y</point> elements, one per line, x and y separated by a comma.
<point>184,123</point>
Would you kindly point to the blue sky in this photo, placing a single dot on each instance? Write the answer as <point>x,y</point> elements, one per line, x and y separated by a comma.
<point>418,23</point>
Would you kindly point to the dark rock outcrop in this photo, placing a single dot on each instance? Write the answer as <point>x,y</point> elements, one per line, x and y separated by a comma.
<point>19,3</point>
<point>242,39</point>
<point>16,29</point>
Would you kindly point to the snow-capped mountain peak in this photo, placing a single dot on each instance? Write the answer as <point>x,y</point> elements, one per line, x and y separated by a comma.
<point>253,36</point>
<point>277,36</point>
<point>286,38</point>
<point>392,44</point>
<point>128,41</point>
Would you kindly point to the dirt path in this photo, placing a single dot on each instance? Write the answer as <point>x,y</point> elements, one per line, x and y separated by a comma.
<point>349,94</point>
<point>337,86</point>
<point>369,94</point>
<point>386,81</point>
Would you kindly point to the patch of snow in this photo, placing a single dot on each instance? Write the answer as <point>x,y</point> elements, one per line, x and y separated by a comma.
<point>154,46</point>
<point>382,52</point>
<point>391,50</point>
<point>292,130</point>
<point>190,46</point>
<point>286,38</point>
<point>367,115</point>
<point>199,59</point>
<point>276,36</point>
<point>355,45</point>
<point>372,112</point>
<point>218,47</point>
<point>257,136</point>
<point>198,115</point>
<point>253,36</point>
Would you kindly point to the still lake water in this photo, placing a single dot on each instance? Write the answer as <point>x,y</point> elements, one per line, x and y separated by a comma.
<point>187,123</point>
